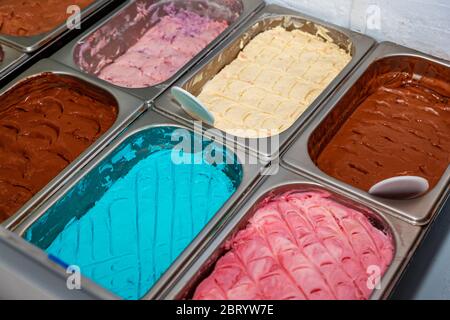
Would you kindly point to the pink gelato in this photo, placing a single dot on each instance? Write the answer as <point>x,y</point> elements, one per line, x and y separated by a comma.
<point>300,245</point>
<point>163,50</point>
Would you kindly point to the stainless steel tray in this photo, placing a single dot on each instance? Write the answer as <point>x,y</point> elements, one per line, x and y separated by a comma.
<point>11,60</point>
<point>33,43</point>
<point>251,173</point>
<point>116,20</point>
<point>271,16</point>
<point>405,236</point>
<point>416,211</point>
<point>129,108</point>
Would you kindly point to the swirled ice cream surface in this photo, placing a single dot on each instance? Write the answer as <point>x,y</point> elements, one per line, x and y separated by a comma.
<point>300,245</point>
<point>163,50</point>
<point>46,122</point>
<point>149,213</point>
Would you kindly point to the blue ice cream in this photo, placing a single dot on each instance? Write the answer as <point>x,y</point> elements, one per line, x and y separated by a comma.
<point>125,233</point>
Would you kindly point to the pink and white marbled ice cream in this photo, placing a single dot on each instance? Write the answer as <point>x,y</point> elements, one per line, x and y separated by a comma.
<point>163,50</point>
<point>300,245</point>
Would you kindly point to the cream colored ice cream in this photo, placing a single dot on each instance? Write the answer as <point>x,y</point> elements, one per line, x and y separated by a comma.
<point>272,82</point>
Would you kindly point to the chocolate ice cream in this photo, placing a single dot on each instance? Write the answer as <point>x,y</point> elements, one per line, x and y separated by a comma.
<point>45,123</point>
<point>33,17</point>
<point>401,127</point>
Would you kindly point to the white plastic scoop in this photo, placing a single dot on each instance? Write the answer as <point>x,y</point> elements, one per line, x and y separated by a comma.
<point>403,187</point>
<point>193,106</point>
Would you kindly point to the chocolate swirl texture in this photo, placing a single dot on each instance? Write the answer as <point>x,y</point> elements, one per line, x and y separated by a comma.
<point>45,123</point>
<point>401,127</point>
<point>303,246</point>
<point>33,17</point>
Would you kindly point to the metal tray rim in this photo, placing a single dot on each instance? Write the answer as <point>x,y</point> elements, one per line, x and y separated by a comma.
<point>33,43</point>
<point>250,177</point>
<point>305,165</point>
<point>129,108</point>
<point>41,259</point>
<point>271,12</point>
<point>402,252</point>
<point>13,59</point>
<point>65,55</point>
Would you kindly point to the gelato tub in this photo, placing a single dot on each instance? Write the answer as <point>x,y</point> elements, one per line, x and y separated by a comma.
<point>128,219</point>
<point>148,42</point>
<point>291,240</point>
<point>275,77</point>
<point>390,118</point>
<point>269,77</point>
<point>32,17</point>
<point>396,124</point>
<point>46,122</point>
<point>28,25</point>
<point>301,244</point>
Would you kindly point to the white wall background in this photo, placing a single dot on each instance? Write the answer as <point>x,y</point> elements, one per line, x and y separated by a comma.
<point>420,24</point>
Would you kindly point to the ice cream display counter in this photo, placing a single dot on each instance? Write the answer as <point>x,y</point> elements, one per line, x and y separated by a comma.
<point>108,179</point>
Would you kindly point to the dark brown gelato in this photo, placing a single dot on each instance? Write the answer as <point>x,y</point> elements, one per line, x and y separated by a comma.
<point>401,127</point>
<point>33,17</point>
<point>45,123</point>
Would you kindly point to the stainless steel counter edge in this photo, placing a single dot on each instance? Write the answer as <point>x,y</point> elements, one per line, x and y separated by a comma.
<point>405,236</point>
<point>27,273</point>
<point>415,266</point>
<point>417,211</point>
<point>361,44</point>
<point>65,55</point>
<point>129,108</point>
<point>251,173</point>
<point>33,43</point>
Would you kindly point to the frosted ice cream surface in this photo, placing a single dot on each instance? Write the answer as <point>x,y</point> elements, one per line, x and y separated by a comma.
<point>163,50</point>
<point>300,245</point>
<point>130,218</point>
<point>272,82</point>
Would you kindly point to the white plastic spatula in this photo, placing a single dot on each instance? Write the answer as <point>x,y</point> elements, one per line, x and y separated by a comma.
<point>193,106</point>
<point>403,187</point>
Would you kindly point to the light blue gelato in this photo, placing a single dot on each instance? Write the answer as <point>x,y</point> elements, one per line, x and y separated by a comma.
<point>126,233</point>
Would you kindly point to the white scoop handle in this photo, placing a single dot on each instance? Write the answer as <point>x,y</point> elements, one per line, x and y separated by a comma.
<point>193,106</point>
<point>403,187</point>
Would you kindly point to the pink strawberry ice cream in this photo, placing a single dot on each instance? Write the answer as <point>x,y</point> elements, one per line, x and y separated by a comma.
<point>163,50</point>
<point>300,245</point>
